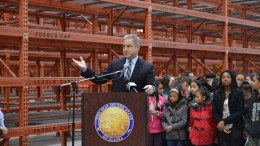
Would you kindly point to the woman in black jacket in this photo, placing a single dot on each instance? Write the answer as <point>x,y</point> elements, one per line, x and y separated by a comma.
<point>252,117</point>
<point>228,110</point>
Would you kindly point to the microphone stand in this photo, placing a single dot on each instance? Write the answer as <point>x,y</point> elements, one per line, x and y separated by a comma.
<point>134,90</point>
<point>74,85</point>
<point>131,87</point>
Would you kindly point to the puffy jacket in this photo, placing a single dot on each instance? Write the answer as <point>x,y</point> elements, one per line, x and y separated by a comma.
<point>177,118</point>
<point>155,125</point>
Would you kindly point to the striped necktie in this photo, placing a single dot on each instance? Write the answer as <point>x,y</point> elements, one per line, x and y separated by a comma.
<point>128,71</point>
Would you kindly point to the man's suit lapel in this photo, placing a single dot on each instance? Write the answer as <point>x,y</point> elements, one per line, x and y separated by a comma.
<point>120,65</point>
<point>138,67</point>
<point>122,62</point>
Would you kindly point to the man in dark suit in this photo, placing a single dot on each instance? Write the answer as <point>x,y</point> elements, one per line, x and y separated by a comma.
<point>138,71</point>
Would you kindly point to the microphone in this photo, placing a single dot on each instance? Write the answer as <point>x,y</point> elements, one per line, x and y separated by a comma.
<point>131,87</point>
<point>124,69</point>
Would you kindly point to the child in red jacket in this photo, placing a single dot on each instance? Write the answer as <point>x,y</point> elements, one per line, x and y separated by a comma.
<point>203,128</point>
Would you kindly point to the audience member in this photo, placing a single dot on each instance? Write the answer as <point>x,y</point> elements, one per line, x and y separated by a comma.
<point>228,110</point>
<point>174,119</point>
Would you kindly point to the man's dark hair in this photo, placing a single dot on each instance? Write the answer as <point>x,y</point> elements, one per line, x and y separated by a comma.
<point>210,75</point>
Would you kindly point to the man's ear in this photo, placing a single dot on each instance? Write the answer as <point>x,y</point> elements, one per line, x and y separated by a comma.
<point>139,47</point>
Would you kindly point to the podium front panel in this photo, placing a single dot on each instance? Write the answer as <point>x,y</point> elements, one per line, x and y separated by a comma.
<point>93,110</point>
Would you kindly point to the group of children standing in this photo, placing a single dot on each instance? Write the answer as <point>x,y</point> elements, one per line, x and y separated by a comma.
<point>191,111</point>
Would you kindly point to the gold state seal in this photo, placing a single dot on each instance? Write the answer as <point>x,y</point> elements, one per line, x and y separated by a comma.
<point>114,122</point>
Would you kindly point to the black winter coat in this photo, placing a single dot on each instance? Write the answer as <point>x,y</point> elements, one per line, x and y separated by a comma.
<point>235,105</point>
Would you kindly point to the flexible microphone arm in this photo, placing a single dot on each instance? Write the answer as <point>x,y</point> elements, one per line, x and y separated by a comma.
<point>91,78</point>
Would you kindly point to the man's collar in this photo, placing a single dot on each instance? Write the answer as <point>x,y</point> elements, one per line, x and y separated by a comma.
<point>133,60</point>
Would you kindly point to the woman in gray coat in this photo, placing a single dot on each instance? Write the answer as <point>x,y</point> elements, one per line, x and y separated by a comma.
<point>174,119</point>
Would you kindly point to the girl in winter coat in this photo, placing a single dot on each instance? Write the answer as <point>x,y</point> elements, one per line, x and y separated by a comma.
<point>194,87</point>
<point>228,110</point>
<point>174,119</point>
<point>252,117</point>
<point>156,130</point>
<point>203,128</point>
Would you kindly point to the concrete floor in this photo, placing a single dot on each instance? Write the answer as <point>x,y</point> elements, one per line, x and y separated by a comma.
<point>48,140</point>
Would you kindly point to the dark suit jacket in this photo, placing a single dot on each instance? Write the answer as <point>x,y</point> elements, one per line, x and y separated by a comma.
<point>143,74</point>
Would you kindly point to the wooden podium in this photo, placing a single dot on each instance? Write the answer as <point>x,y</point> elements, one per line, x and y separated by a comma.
<point>93,103</point>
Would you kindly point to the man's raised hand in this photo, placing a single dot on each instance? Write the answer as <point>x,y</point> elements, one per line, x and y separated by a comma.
<point>81,64</point>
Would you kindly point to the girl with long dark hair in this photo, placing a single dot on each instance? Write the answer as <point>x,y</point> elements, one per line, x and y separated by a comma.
<point>157,134</point>
<point>228,109</point>
<point>252,118</point>
<point>167,82</point>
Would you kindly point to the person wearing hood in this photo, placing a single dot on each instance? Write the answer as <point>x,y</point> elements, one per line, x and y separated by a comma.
<point>174,119</point>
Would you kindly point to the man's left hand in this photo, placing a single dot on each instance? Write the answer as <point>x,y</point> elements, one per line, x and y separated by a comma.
<point>149,89</point>
<point>4,131</point>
